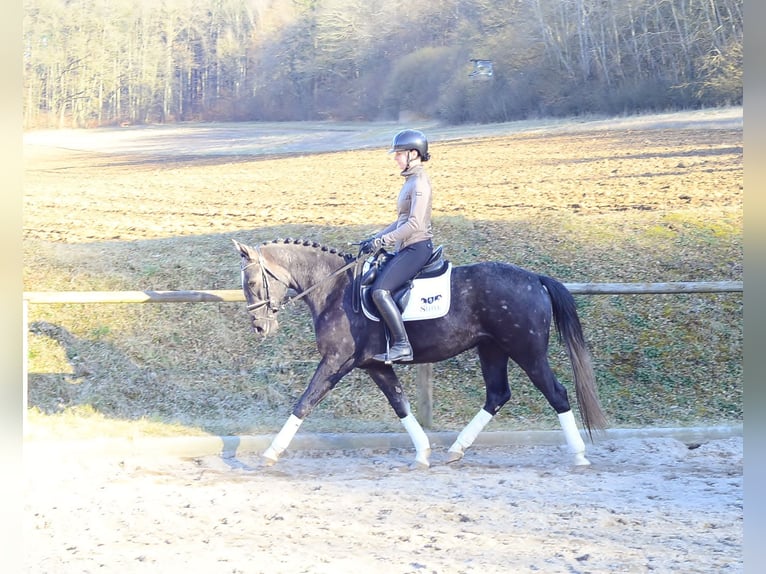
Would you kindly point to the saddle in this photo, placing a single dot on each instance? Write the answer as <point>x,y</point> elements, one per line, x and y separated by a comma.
<point>425,296</point>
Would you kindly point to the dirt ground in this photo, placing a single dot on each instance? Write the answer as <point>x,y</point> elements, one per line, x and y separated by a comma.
<point>151,183</point>
<point>645,505</point>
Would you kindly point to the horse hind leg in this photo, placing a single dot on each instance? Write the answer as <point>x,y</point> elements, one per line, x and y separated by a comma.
<point>494,369</point>
<point>574,439</point>
<point>468,435</point>
<point>542,376</point>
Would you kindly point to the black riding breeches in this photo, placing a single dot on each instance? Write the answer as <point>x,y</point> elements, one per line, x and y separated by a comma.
<point>404,266</point>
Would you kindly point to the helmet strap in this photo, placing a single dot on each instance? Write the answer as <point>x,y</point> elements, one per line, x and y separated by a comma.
<point>409,158</point>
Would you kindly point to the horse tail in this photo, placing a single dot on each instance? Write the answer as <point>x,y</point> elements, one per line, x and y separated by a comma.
<point>570,333</point>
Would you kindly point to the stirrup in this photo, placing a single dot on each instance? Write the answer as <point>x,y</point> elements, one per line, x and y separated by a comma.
<point>404,358</point>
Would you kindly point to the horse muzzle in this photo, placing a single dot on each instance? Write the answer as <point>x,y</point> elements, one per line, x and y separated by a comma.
<point>264,326</point>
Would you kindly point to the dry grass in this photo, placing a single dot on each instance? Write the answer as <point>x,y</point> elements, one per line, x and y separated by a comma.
<point>622,205</point>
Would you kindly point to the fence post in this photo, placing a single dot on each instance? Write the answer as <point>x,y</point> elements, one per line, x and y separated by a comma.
<point>25,367</point>
<point>425,394</point>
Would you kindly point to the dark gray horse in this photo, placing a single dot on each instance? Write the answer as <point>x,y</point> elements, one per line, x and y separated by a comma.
<point>502,310</point>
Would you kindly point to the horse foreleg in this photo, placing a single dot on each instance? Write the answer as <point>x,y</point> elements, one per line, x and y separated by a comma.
<point>282,440</point>
<point>386,380</point>
<point>573,438</point>
<point>468,435</point>
<point>322,382</point>
<point>419,440</point>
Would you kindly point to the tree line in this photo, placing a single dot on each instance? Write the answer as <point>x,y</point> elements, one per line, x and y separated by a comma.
<point>106,62</point>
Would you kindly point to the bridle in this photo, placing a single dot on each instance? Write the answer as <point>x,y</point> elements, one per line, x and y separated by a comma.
<point>274,305</point>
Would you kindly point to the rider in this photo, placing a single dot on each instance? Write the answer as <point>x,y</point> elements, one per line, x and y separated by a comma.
<point>410,235</point>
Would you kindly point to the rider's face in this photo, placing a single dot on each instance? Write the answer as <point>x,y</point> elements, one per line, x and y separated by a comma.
<point>401,157</point>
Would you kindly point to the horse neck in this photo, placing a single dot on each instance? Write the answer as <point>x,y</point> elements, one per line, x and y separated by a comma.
<point>308,266</point>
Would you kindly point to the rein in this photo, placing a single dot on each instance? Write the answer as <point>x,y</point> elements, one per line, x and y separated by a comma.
<point>277,305</point>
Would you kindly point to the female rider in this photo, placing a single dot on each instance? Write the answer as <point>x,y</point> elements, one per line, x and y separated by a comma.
<point>410,235</point>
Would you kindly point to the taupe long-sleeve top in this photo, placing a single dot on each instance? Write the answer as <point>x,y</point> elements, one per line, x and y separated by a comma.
<point>413,223</point>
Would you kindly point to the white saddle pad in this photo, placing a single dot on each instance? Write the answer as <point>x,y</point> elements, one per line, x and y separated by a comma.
<point>429,298</point>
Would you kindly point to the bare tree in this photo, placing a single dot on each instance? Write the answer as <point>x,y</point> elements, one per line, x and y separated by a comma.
<point>96,62</point>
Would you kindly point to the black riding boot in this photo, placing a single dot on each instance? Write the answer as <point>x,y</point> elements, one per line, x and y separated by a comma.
<point>400,349</point>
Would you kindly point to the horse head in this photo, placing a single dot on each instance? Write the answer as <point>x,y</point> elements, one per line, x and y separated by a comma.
<point>265,287</point>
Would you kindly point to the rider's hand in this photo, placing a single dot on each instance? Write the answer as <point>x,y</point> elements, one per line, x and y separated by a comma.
<point>365,246</point>
<point>372,245</point>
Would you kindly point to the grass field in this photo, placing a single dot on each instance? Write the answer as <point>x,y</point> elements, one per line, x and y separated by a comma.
<point>644,202</point>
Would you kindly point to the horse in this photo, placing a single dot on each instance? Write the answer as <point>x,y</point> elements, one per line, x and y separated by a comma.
<point>503,311</point>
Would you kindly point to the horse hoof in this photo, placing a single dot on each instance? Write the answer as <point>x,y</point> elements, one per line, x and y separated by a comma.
<point>454,456</point>
<point>421,459</point>
<point>580,460</point>
<point>269,458</point>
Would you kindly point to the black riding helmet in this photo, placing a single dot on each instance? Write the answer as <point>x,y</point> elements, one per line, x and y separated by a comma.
<point>407,140</point>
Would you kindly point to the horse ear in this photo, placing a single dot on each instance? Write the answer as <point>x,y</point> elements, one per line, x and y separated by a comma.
<point>243,249</point>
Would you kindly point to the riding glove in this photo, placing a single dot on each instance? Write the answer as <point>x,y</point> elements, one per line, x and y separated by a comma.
<point>371,245</point>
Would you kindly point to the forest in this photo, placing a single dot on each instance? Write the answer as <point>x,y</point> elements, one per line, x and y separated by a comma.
<point>90,63</point>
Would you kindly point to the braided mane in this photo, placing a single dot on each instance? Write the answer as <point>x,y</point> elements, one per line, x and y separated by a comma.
<point>348,257</point>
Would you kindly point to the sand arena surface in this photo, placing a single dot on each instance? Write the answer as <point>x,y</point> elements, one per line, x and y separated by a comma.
<point>645,505</point>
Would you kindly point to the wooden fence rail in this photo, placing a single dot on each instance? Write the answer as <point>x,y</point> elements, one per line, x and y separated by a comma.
<point>221,296</point>
<point>236,295</point>
<point>424,376</point>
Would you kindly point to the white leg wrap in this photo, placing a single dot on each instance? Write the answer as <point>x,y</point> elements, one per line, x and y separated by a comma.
<point>574,440</point>
<point>282,440</point>
<point>419,439</point>
<point>469,433</point>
